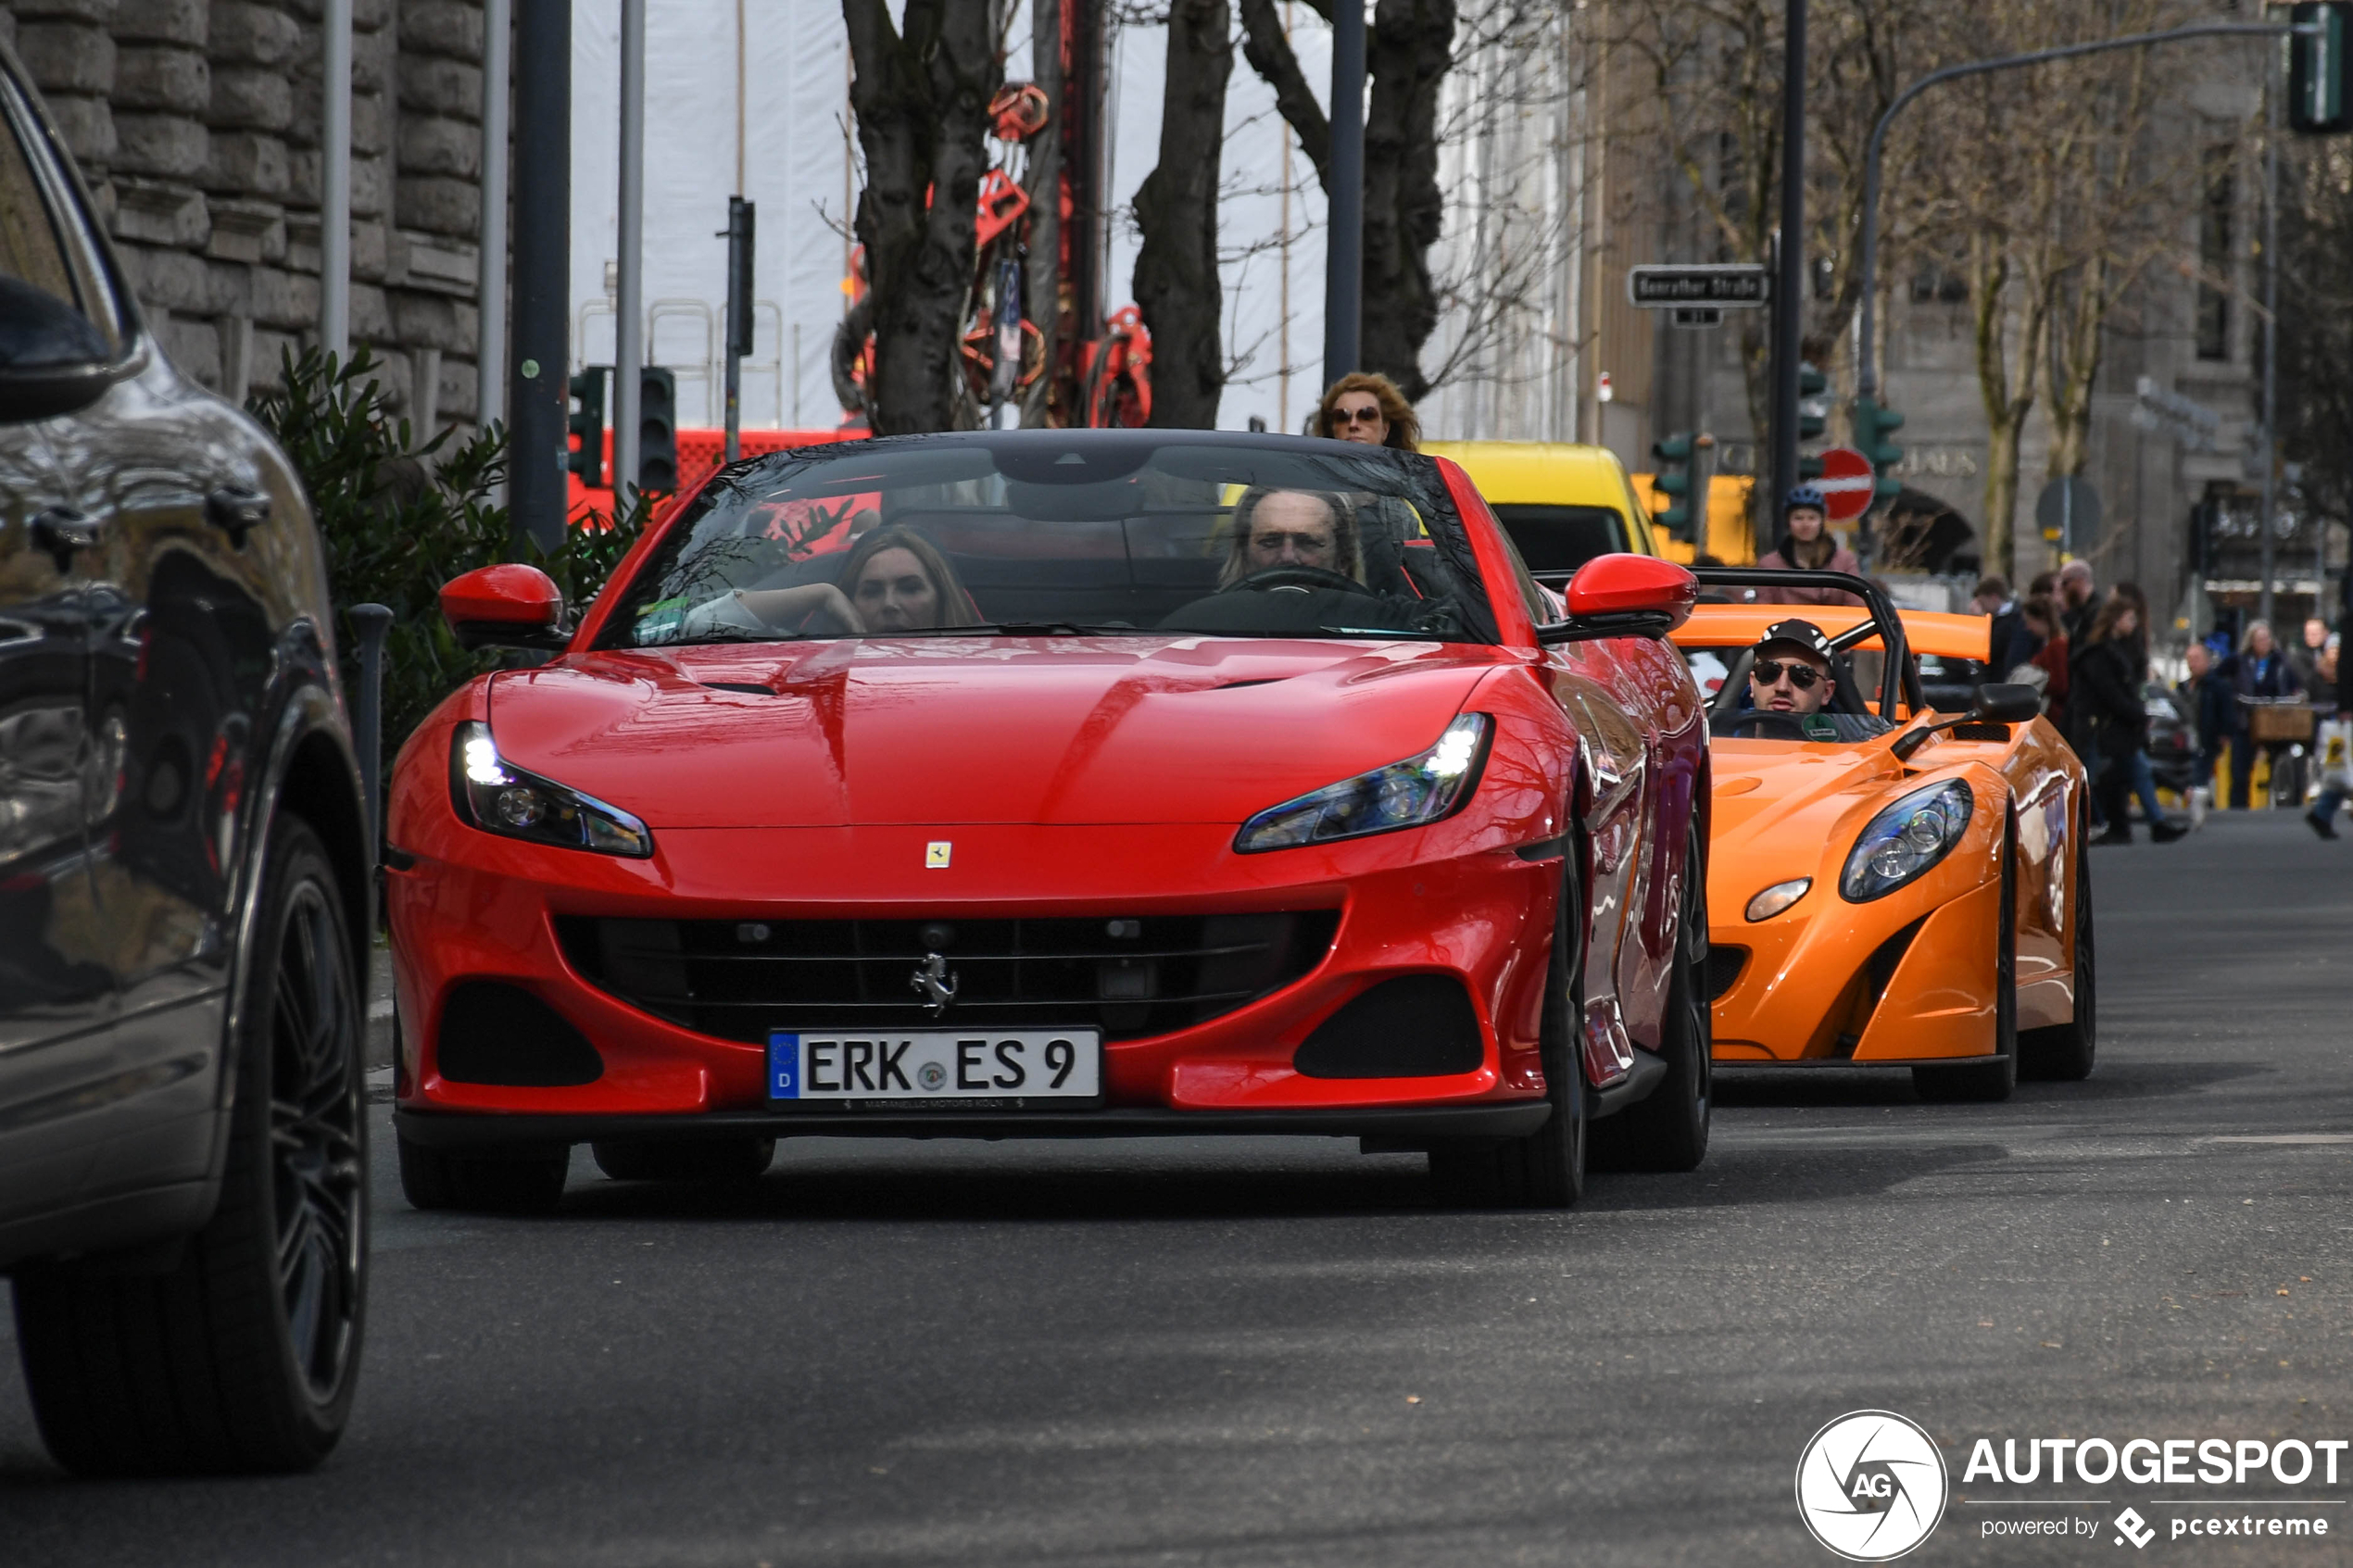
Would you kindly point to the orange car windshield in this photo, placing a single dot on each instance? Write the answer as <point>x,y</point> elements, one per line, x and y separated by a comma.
<point>1733,716</point>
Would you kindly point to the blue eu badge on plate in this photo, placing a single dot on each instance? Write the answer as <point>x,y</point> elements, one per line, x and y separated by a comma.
<point>784,1065</point>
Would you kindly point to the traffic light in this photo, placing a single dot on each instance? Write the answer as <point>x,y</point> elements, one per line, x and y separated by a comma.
<point>586,422</point>
<point>656,430</point>
<point>2316,72</point>
<point>1873,426</point>
<point>1673,479</point>
<point>1812,407</point>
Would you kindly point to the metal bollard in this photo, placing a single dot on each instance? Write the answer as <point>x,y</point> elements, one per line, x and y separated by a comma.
<point>373,623</point>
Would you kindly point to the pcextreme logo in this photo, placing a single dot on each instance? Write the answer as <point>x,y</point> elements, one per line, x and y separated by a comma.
<point>1872,1485</point>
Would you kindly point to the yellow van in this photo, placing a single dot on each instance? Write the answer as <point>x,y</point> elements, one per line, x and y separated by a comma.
<point>1564,504</point>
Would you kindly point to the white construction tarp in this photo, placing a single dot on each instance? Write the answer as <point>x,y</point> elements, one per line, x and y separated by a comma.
<point>799,166</point>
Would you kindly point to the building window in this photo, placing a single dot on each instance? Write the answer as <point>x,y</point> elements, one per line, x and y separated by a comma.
<point>2216,211</point>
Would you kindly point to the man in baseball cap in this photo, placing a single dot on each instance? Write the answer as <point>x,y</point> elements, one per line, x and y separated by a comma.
<point>1789,670</point>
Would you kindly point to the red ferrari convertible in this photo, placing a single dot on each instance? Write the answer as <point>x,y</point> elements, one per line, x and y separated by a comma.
<point>1059,784</point>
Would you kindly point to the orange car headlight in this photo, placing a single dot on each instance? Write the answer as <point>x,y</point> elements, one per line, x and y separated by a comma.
<point>1904,840</point>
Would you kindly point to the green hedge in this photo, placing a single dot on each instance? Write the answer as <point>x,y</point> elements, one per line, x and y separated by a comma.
<point>400,520</point>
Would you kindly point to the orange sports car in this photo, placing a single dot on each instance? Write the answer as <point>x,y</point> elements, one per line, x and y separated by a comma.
<point>1891,887</point>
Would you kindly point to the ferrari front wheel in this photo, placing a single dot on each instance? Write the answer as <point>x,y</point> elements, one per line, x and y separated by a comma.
<point>1667,1130</point>
<point>1988,1079</point>
<point>521,1181</point>
<point>1546,1169</point>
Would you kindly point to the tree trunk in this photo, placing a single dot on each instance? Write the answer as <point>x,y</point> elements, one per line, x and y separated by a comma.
<point>1044,183</point>
<point>2007,400</point>
<point>1407,55</point>
<point>1176,283</point>
<point>1408,50</point>
<point>921,98</point>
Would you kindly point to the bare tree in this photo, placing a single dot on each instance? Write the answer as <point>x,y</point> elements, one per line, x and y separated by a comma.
<point>920,96</point>
<point>1176,283</point>
<point>1408,50</point>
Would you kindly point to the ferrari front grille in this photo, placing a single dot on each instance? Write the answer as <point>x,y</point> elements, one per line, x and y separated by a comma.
<point>739,980</point>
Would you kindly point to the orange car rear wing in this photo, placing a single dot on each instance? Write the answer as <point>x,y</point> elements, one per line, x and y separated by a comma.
<point>1948,637</point>
<point>1874,622</point>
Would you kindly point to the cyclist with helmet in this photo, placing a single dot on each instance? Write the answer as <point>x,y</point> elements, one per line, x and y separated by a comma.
<point>1805,544</point>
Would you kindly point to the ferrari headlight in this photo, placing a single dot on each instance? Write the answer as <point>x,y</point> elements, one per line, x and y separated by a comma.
<point>1904,840</point>
<point>494,794</point>
<point>1404,794</point>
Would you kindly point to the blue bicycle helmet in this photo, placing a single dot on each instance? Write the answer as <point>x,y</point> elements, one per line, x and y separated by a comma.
<point>1805,496</point>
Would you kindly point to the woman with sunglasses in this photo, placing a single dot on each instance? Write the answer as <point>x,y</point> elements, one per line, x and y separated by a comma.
<point>1368,409</point>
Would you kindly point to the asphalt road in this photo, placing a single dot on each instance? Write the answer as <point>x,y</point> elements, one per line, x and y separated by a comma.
<point>1226,1352</point>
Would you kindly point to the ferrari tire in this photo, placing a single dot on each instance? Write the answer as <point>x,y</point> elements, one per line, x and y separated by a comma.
<point>1546,1169</point>
<point>486,1182</point>
<point>707,1161</point>
<point>2064,1052</point>
<point>1667,1130</point>
<point>1988,1079</point>
<point>242,1356</point>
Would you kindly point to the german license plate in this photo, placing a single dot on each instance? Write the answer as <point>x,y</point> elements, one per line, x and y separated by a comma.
<point>945,1066</point>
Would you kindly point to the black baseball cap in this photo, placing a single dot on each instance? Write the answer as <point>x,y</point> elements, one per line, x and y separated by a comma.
<point>1797,634</point>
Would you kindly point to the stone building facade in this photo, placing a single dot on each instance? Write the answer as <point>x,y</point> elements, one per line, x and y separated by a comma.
<point>196,123</point>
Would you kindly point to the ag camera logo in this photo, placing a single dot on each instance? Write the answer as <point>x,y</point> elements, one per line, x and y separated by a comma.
<point>1872,1485</point>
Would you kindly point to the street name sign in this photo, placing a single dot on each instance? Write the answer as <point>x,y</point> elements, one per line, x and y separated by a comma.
<point>1726,286</point>
<point>1847,484</point>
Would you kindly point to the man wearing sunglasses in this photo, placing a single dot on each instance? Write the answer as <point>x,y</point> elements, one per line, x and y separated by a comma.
<point>1790,672</point>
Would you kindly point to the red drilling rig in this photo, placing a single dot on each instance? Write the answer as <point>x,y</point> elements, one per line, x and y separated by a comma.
<point>1098,368</point>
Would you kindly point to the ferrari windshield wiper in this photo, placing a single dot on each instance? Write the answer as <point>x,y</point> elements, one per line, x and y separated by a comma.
<point>1014,628</point>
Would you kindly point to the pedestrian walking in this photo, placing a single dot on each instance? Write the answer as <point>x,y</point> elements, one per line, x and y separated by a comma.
<point>2104,698</point>
<point>2040,618</point>
<point>1807,545</point>
<point>2305,661</point>
<point>2007,641</point>
<point>2144,775</point>
<point>2206,689</point>
<point>1366,407</point>
<point>2258,674</point>
<point>2335,782</point>
<point>2078,606</point>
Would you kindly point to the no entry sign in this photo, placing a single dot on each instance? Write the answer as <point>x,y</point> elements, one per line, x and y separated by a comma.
<point>1846,484</point>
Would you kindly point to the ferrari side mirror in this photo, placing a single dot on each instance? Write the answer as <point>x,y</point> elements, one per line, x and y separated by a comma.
<point>511,606</point>
<point>1624,595</point>
<point>2004,704</point>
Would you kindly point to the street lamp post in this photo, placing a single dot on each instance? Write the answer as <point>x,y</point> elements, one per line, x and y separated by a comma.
<point>2267,511</point>
<point>1344,235</point>
<point>1789,285</point>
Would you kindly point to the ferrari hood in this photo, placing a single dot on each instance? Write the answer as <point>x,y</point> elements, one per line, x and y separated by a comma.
<point>936,731</point>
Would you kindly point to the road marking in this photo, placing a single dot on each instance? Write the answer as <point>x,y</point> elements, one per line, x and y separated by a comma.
<point>2290,1138</point>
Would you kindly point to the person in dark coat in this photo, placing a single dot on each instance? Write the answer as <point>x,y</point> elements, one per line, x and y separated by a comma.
<point>2260,673</point>
<point>2104,698</point>
<point>2079,604</point>
<point>2208,691</point>
<point>2322,816</point>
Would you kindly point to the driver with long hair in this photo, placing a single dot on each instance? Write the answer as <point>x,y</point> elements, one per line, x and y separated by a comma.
<point>1275,529</point>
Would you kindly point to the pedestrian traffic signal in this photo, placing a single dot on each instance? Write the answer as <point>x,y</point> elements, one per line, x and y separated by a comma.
<point>1873,426</point>
<point>1673,479</point>
<point>586,423</point>
<point>2317,100</point>
<point>1813,405</point>
<point>656,430</point>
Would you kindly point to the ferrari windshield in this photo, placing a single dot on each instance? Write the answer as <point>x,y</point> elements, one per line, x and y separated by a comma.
<point>1049,533</point>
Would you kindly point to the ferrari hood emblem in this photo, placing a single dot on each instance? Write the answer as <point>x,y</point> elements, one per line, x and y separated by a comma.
<point>934,984</point>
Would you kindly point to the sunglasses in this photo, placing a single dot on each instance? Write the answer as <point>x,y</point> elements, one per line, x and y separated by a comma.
<point>1768,672</point>
<point>1357,416</point>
